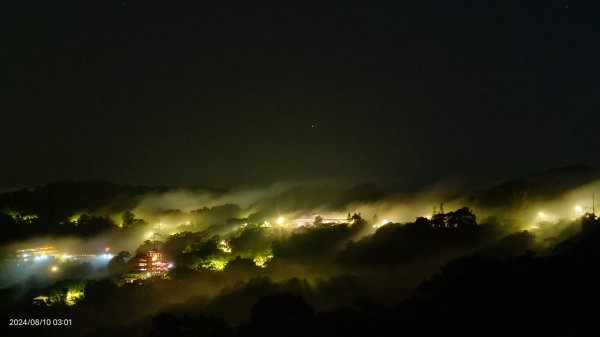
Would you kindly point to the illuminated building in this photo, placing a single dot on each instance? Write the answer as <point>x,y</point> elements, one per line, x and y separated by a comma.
<point>153,263</point>
<point>40,254</point>
<point>35,254</point>
<point>149,265</point>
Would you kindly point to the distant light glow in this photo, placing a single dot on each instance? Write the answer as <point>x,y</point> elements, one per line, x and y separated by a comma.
<point>40,257</point>
<point>215,265</point>
<point>381,224</point>
<point>261,261</point>
<point>73,296</point>
<point>578,210</point>
<point>280,220</point>
<point>224,246</point>
<point>54,269</point>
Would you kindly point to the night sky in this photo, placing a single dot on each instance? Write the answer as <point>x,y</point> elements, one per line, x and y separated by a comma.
<point>223,93</point>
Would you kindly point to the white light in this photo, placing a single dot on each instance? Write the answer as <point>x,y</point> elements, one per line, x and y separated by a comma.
<point>385,222</point>
<point>578,210</point>
<point>542,215</point>
<point>54,269</point>
<point>280,220</point>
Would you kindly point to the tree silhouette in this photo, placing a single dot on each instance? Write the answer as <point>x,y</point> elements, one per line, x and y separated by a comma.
<point>118,264</point>
<point>128,220</point>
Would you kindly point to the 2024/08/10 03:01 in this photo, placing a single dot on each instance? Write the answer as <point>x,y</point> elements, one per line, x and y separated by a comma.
<point>40,321</point>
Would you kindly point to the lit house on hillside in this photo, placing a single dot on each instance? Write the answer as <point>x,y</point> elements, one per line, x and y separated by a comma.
<point>153,263</point>
<point>149,265</point>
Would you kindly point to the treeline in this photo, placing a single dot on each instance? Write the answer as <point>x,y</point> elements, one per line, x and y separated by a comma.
<point>50,209</point>
<point>529,294</point>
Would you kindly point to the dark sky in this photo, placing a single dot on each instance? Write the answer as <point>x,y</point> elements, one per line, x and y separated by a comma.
<point>222,93</point>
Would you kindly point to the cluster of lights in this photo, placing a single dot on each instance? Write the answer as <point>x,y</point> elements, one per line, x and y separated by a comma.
<point>66,256</point>
<point>40,257</point>
<point>280,221</point>
<point>46,254</point>
<point>542,216</point>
